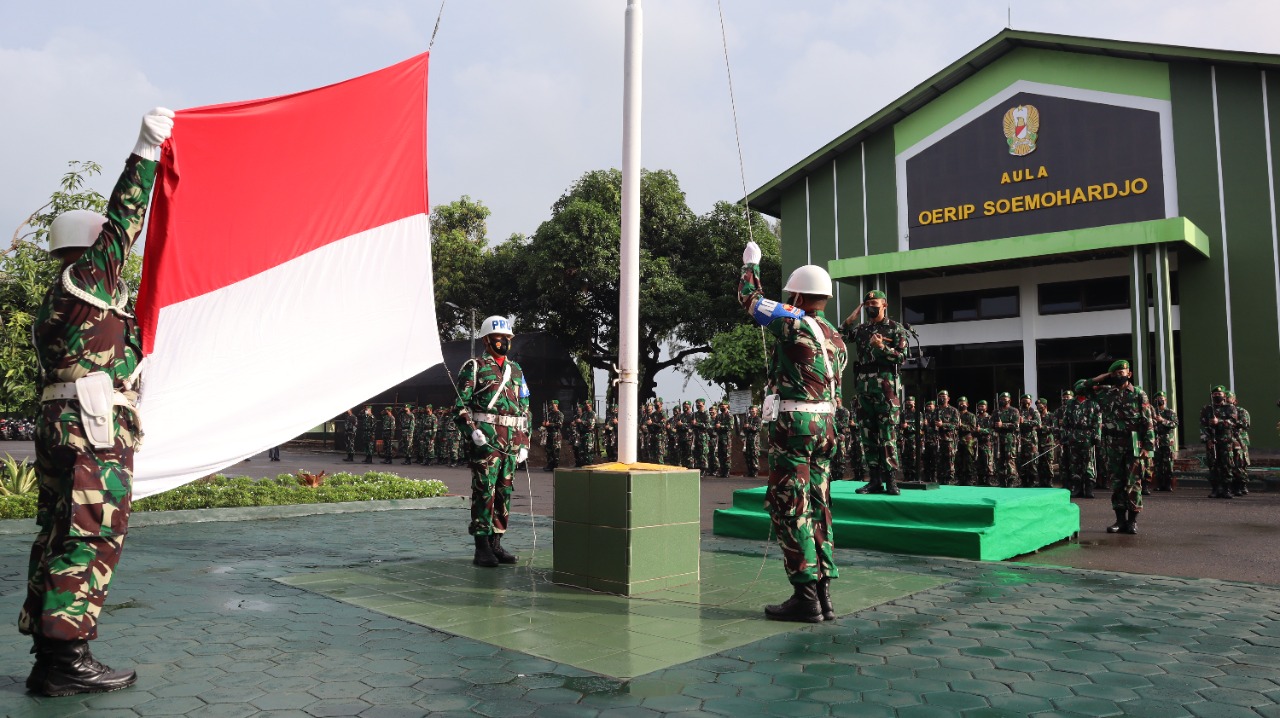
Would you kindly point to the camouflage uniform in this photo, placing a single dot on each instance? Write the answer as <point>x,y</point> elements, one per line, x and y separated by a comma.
<point>366,434</point>
<point>929,442</point>
<point>1126,430</point>
<point>85,493</point>
<point>684,429</point>
<point>948,418</point>
<point>967,445</point>
<point>1048,447</point>
<point>1007,419</point>
<point>553,422</point>
<point>491,396</point>
<point>1028,442</point>
<point>878,387</point>
<point>1240,449</point>
<point>701,423</point>
<point>803,367</point>
<point>1166,425</point>
<point>1058,421</point>
<point>444,428</point>
<point>387,429</point>
<point>853,440</point>
<point>656,428</point>
<point>610,430</point>
<point>723,427</point>
<point>841,454</point>
<point>909,439</point>
<point>749,430</point>
<point>1084,431</point>
<point>350,424</point>
<point>427,432</point>
<point>404,434</point>
<point>983,442</point>
<point>585,434</point>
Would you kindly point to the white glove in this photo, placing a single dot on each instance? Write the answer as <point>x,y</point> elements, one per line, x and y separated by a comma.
<point>477,437</point>
<point>522,455</point>
<point>157,125</point>
<point>751,255</point>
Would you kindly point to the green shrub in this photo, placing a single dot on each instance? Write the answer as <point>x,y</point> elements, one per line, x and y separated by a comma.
<point>17,477</point>
<point>224,492</point>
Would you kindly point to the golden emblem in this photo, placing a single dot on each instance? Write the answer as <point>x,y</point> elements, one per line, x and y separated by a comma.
<point>1021,128</point>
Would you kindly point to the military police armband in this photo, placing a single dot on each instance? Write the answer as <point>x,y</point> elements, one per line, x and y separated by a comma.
<point>524,389</point>
<point>764,311</point>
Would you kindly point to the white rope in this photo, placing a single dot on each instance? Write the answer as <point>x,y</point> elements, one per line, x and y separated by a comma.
<point>437,27</point>
<point>121,297</point>
<point>742,171</point>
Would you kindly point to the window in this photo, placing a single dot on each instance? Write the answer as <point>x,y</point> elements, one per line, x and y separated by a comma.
<point>999,303</point>
<point>1089,295</point>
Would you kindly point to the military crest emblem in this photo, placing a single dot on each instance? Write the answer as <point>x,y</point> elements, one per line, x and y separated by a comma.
<point>1021,129</point>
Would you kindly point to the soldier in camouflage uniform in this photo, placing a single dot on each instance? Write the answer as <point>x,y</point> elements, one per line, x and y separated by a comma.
<point>610,430</point>
<point>404,434</point>
<point>350,424</point>
<point>428,433</point>
<point>1166,420</point>
<point>841,454</point>
<point>1006,425</point>
<point>444,426</point>
<point>853,440</point>
<point>366,435</point>
<point>749,430</point>
<point>700,423</point>
<point>967,444</point>
<point>804,383</point>
<point>948,425</point>
<point>1216,421</point>
<point>86,344</point>
<point>1028,442</point>
<point>929,442</point>
<point>1128,439</point>
<point>983,440</point>
<point>879,346</point>
<point>1240,449</point>
<point>553,422</point>
<point>723,426</point>
<point>387,429</point>
<point>684,430</point>
<point>587,434</point>
<point>656,428</point>
<point>493,403</point>
<point>1084,432</point>
<point>910,434</point>
<point>1058,421</point>
<point>1048,447</point>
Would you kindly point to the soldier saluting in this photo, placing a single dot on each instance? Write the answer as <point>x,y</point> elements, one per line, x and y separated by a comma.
<point>879,346</point>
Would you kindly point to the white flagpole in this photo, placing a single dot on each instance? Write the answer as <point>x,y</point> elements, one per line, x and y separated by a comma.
<point>629,252</point>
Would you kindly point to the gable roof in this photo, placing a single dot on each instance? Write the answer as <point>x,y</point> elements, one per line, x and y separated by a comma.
<point>768,198</point>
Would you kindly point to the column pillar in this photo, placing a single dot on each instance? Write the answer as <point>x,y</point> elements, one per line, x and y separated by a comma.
<point>1138,321</point>
<point>1165,366</point>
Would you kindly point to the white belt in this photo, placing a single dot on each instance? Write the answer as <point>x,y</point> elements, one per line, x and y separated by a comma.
<point>499,419</point>
<point>67,390</point>
<point>813,407</point>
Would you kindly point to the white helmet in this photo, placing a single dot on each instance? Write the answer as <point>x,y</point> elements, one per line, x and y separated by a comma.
<point>496,324</point>
<point>75,228</point>
<point>809,279</point>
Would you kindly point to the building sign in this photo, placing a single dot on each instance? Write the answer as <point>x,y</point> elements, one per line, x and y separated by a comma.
<point>1034,164</point>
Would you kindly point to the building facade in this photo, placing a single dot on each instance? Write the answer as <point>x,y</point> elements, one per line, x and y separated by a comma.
<point>1045,200</point>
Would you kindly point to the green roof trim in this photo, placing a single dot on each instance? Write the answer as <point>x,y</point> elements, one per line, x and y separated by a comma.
<point>1116,236</point>
<point>767,199</point>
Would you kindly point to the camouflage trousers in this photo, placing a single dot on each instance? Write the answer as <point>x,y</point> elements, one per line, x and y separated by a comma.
<point>349,442</point>
<point>1044,465</point>
<point>554,438</point>
<point>1082,463</point>
<point>1006,458</point>
<point>388,447</point>
<point>493,468</point>
<point>878,407</point>
<point>658,448</point>
<point>701,450</point>
<point>82,511</point>
<point>751,455</point>
<point>798,496</point>
<point>966,451</point>
<point>1064,464</point>
<point>1239,468</point>
<point>1028,474</point>
<point>946,458</point>
<point>724,446</point>
<point>910,450</point>
<point>1125,470</point>
<point>366,442</point>
<point>427,448</point>
<point>1162,467</point>
<point>404,445</point>
<point>686,453</point>
<point>929,459</point>
<point>839,457</point>
<point>857,458</point>
<point>983,467</point>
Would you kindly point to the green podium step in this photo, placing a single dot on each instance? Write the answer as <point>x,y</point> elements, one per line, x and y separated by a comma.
<point>989,524</point>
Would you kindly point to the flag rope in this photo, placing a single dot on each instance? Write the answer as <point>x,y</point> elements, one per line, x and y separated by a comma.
<point>437,27</point>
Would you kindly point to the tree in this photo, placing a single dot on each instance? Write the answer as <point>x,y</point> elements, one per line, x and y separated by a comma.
<point>26,271</point>
<point>737,358</point>
<point>458,242</point>
<point>689,269</point>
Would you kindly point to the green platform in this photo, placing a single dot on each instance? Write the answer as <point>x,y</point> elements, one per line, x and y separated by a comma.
<point>989,524</point>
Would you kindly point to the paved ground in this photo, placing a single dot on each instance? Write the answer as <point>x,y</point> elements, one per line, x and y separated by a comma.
<point>197,610</point>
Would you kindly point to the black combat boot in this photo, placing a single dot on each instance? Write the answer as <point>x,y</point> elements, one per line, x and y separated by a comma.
<point>350,457</point>
<point>70,669</point>
<point>1131,523</point>
<point>484,553</point>
<point>891,488</point>
<point>407,461</point>
<point>38,671</point>
<point>386,461</point>
<point>802,607</point>
<point>1121,521</point>
<point>824,599</point>
<point>1088,489</point>
<point>872,487</point>
<point>368,459</point>
<point>503,556</point>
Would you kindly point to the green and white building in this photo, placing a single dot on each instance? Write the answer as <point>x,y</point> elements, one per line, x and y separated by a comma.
<point>1044,200</point>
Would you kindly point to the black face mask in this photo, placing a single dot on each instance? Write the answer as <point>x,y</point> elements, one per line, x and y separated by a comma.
<point>501,346</point>
<point>1218,399</point>
<point>873,311</point>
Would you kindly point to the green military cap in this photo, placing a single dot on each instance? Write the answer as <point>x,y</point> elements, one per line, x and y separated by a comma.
<point>1082,386</point>
<point>1066,393</point>
<point>1230,394</point>
<point>1160,394</point>
<point>1026,396</point>
<point>982,402</point>
<point>702,400</point>
<point>874,294</point>
<point>1119,364</point>
<point>688,403</point>
<point>1217,388</point>
<point>911,398</point>
<point>944,392</point>
<point>931,402</point>
<point>1004,395</point>
<point>1043,401</point>
<point>430,406</point>
<point>963,398</point>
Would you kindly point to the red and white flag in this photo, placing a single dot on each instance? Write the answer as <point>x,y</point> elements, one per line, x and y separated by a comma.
<point>287,271</point>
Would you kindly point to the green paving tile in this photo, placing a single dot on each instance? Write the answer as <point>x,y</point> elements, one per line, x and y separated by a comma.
<point>520,609</point>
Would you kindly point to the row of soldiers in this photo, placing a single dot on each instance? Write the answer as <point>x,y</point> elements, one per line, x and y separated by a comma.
<point>423,435</point>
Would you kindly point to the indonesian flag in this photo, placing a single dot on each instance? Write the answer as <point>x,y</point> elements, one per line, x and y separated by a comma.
<point>287,271</point>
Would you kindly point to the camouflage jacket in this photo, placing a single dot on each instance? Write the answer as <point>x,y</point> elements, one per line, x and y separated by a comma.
<point>982,428</point>
<point>1030,421</point>
<point>482,390</point>
<point>350,424</point>
<point>1242,425</point>
<point>1009,418</point>
<point>405,424</point>
<point>950,418</point>
<point>656,423</point>
<point>909,424</point>
<point>428,423</point>
<point>701,421</point>
<point>749,427</point>
<point>1122,413</point>
<point>1084,422</point>
<point>723,424</point>
<point>1166,424</point>
<point>968,424</point>
<point>554,422</point>
<point>368,425</point>
<point>387,426</point>
<point>800,362</point>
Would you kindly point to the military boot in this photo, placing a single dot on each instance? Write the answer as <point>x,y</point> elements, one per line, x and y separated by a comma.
<point>484,553</point>
<point>1121,521</point>
<point>1131,523</point>
<point>873,487</point>
<point>891,488</point>
<point>824,599</point>
<point>407,461</point>
<point>367,460</point>
<point>1088,489</point>
<point>38,671</point>
<point>70,669</point>
<point>802,607</point>
<point>350,457</point>
<point>500,553</point>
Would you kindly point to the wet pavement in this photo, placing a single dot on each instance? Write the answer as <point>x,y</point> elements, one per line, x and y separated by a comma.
<point>201,612</point>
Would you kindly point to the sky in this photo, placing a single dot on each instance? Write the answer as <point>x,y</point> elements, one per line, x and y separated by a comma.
<point>526,95</point>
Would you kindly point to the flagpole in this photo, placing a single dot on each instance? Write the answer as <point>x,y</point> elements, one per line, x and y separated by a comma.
<point>629,251</point>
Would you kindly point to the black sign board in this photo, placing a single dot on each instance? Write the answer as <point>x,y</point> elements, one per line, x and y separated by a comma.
<point>1079,164</point>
